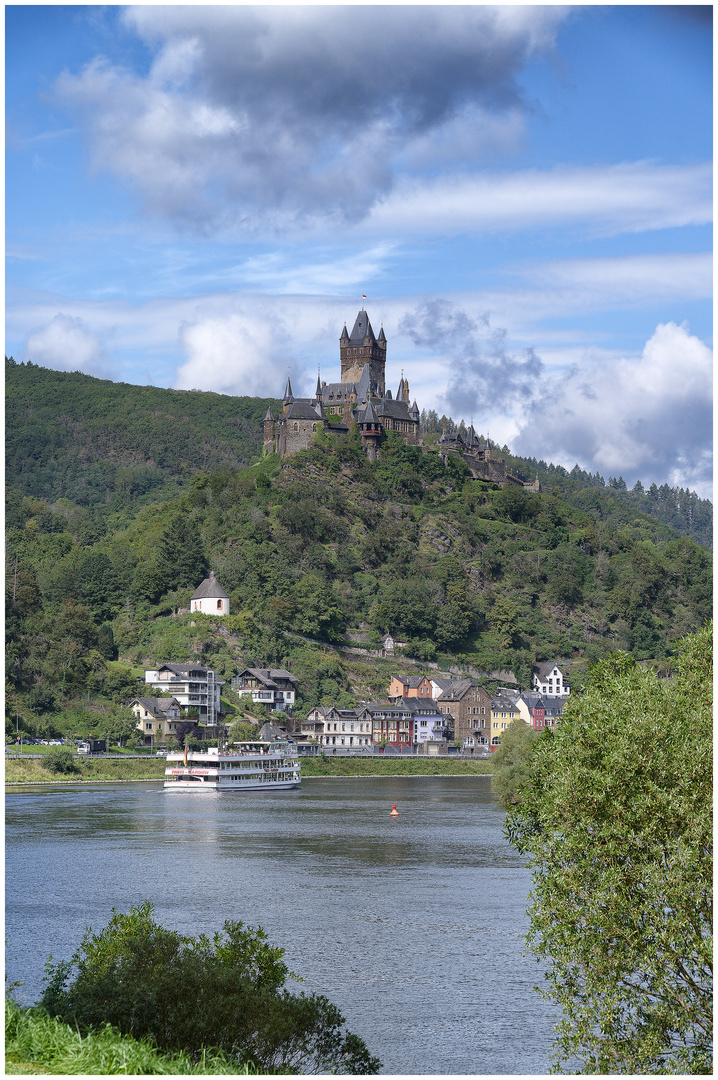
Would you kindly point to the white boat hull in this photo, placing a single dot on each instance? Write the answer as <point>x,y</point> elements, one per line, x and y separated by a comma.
<point>199,784</point>
<point>255,766</point>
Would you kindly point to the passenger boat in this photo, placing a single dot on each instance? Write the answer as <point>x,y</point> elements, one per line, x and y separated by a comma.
<point>250,766</point>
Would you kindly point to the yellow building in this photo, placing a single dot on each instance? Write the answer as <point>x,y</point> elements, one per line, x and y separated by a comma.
<point>157,718</point>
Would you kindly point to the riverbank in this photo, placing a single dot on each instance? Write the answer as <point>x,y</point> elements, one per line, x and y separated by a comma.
<point>393,766</point>
<point>113,770</point>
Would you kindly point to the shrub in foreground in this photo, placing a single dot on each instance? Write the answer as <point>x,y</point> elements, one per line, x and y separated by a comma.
<point>36,1042</point>
<point>225,993</point>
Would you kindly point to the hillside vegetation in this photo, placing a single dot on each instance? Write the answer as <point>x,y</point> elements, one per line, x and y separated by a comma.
<point>471,577</point>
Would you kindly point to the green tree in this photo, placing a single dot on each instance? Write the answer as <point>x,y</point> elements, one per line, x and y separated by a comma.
<point>181,559</point>
<point>511,761</point>
<point>504,619</point>
<point>616,819</point>
<point>118,724</point>
<point>187,993</point>
<point>59,759</point>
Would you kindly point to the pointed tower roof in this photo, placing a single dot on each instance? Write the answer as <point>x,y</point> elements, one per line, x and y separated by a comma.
<point>369,415</point>
<point>288,395</point>
<point>362,329</point>
<point>211,588</point>
<point>364,386</point>
<point>382,336</point>
<point>269,413</point>
<point>344,333</point>
<point>414,410</point>
<point>319,387</point>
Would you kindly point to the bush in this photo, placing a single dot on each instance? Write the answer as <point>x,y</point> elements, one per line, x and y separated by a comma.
<point>193,993</point>
<point>59,759</point>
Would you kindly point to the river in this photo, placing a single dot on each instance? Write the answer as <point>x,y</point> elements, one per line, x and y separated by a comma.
<point>413,926</point>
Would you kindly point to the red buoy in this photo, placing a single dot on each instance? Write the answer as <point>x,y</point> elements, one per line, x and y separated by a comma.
<point>394,811</point>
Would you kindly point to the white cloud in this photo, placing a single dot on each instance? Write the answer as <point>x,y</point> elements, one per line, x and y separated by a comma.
<point>647,417</point>
<point>66,343</point>
<point>232,355</point>
<point>629,197</point>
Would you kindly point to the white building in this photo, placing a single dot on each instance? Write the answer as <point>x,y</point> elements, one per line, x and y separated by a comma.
<point>549,679</point>
<point>193,686</point>
<point>210,598</point>
<point>273,687</point>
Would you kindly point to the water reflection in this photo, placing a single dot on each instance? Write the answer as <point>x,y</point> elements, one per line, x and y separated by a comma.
<point>413,926</point>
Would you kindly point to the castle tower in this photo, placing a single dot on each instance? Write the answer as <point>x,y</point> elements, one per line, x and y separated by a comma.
<point>268,440</point>
<point>371,431</point>
<point>362,348</point>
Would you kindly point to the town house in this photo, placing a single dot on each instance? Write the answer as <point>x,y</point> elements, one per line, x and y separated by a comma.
<point>550,679</point>
<point>410,686</point>
<point>470,707</point>
<point>157,718</point>
<point>273,687</point>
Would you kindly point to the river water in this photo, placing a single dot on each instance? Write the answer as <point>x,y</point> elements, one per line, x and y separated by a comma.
<point>412,926</point>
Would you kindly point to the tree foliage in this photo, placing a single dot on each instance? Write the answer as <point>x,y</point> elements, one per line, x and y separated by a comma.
<point>616,819</point>
<point>227,992</point>
<point>512,760</point>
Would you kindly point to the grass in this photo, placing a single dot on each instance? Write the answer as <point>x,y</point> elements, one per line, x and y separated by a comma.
<point>105,769</point>
<point>35,1043</point>
<point>32,772</point>
<point>414,766</point>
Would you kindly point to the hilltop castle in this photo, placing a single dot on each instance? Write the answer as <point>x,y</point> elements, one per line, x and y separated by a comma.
<point>360,398</point>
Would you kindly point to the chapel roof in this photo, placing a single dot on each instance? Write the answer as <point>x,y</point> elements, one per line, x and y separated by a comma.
<point>210,588</point>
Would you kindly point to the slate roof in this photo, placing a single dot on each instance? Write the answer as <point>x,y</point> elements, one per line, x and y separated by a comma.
<point>303,410</point>
<point>554,705</point>
<point>412,681</point>
<point>270,731</point>
<point>181,669</point>
<point>362,329</point>
<point>500,701</point>
<point>337,391</point>
<point>367,415</point>
<point>544,670</point>
<point>457,689</point>
<point>397,410</point>
<point>155,705</point>
<point>267,676</point>
<point>210,588</point>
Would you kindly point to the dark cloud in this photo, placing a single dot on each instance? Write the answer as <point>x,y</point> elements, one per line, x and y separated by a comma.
<point>294,112</point>
<point>485,376</point>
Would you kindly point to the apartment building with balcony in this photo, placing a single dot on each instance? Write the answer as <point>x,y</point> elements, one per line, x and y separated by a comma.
<point>273,687</point>
<point>194,687</point>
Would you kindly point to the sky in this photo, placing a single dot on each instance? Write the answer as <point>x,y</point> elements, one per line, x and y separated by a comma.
<point>200,197</point>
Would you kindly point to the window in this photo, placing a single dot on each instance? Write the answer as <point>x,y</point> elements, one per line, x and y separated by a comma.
<point>219,605</point>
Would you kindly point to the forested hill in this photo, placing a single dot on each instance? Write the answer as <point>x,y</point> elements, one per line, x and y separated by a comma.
<point>111,446</point>
<point>330,546</point>
<point>100,443</point>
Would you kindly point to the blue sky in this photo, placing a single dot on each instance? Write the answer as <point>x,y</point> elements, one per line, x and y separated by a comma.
<point>198,197</point>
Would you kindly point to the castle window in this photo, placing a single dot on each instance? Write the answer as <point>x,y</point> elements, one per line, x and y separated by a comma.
<point>314,427</point>
<point>296,427</point>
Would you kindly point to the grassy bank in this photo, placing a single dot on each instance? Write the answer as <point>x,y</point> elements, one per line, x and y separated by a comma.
<point>99,769</point>
<point>35,1044</point>
<point>331,766</point>
<point>32,772</point>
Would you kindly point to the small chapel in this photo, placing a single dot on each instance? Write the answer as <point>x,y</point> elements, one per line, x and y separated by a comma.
<point>360,397</point>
